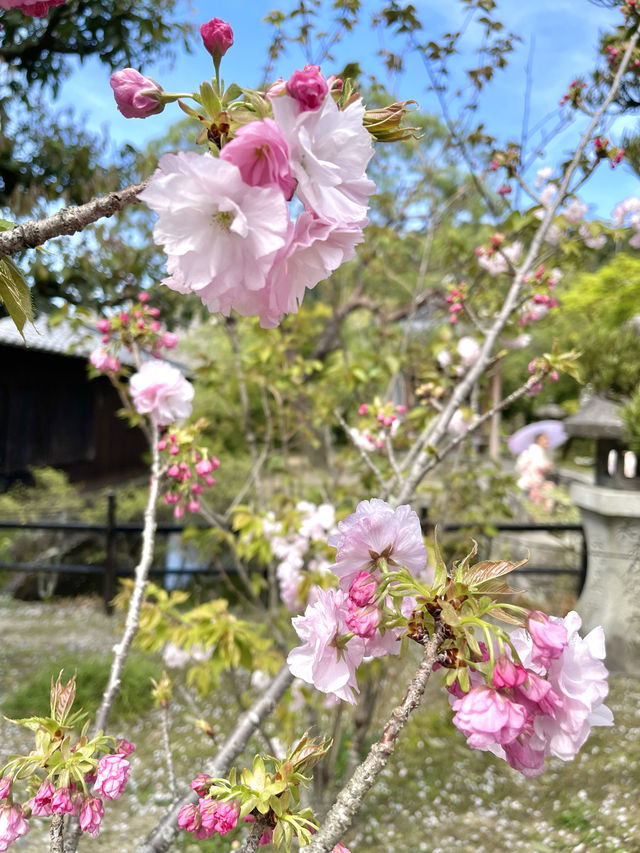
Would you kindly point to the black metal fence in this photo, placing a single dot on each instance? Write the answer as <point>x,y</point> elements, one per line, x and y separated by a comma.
<point>110,571</point>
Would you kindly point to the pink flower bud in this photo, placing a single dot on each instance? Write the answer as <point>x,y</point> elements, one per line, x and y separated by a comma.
<point>178,511</point>
<point>217,37</point>
<point>124,317</point>
<point>210,481</point>
<point>364,408</point>
<point>123,746</point>
<point>136,96</point>
<point>204,467</point>
<point>363,589</point>
<point>103,325</point>
<point>553,376</point>
<point>168,340</point>
<point>91,814</point>
<point>189,818</point>
<point>201,784</point>
<point>143,296</point>
<point>155,312</point>
<point>532,366</point>
<point>174,450</point>
<point>308,88</point>
<point>363,621</point>
<point>140,324</point>
<point>162,444</point>
<point>506,673</point>
<point>173,471</point>
<point>193,506</point>
<point>155,326</point>
<point>401,409</point>
<point>196,489</point>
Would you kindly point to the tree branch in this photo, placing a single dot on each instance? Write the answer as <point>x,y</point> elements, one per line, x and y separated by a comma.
<point>166,830</point>
<point>349,800</point>
<point>70,220</point>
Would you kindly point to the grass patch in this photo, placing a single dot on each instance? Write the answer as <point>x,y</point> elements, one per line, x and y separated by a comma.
<point>32,697</point>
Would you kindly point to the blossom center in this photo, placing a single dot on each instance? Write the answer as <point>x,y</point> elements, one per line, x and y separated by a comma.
<point>223,219</point>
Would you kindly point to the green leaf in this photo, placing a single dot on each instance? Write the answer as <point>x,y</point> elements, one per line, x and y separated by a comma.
<point>210,101</point>
<point>6,225</point>
<point>15,293</point>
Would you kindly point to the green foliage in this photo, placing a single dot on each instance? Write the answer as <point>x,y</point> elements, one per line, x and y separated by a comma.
<point>92,673</point>
<point>15,294</point>
<point>216,639</point>
<point>120,33</point>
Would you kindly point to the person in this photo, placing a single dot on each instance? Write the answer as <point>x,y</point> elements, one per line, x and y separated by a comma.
<point>534,467</point>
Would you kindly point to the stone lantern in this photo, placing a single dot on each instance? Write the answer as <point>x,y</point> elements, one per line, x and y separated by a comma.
<point>610,510</point>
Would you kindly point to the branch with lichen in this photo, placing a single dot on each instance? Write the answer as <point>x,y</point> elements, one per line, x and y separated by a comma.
<point>69,220</point>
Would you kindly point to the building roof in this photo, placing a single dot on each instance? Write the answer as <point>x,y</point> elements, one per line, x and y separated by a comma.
<point>598,418</point>
<point>77,340</point>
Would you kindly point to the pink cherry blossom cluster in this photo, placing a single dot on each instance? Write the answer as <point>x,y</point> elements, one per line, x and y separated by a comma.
<point>108,781</point>
<point>35,8</point>
<point>455,298</point>
<point>139,327</point>
<point>507,159</point>
<point>189,469</point>
<point>208,817</point>
<point>382,420</point>
<point>537,365</point>
<point>343,627</point>
<point>602,150</point>
<point>542,702</point>
<point>574,95</point>
<point>298,541</point>
<point>496,258</point>
<point>615,52</point>
<point>627,213</point>
<point>224,218</point>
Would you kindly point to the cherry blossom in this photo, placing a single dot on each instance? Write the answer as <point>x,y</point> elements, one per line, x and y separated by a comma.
<point>35,8</point>
<point>136,96</point>
<point>12,824</point>
<point>160,390</point>
<point>220,234</point>
<point>323,660</point>
<point>329,149</point>
<point>260,152</point>
<point>113,771</point>
<point>377,531</point>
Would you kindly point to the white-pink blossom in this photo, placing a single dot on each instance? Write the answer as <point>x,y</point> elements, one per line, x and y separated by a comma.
<point>12,824</point>
<point>220,234</point>
<point>591,241</point>
<point>329,150</point>
<point>323,659</point>
<point>112,774</point>
<point>314,249</point>
<point>575,211</point>
<point>162,392</point>
<point>498,261</point>
<point>468,350</point>
<point>376,531</point>
<point>623,209</point>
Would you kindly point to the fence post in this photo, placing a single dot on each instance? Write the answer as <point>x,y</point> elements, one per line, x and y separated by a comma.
<point>110,562</point>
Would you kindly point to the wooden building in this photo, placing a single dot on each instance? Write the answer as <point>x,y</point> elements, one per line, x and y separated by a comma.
<point>52,414</point>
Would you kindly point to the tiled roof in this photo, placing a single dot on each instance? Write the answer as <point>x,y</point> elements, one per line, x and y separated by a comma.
<point>65,339</point>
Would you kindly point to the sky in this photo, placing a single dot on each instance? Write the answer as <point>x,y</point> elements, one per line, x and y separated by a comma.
<point>559,40</point>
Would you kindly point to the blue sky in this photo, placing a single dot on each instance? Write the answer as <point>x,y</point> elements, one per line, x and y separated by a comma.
<point>564,34</point>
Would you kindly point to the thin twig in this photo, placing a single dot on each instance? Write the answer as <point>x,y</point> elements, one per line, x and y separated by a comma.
<point>121,650</point>
<point>166,745</point>
<point>253,839</point>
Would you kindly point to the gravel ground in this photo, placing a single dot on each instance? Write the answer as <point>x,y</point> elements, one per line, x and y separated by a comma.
<point>435,796</point>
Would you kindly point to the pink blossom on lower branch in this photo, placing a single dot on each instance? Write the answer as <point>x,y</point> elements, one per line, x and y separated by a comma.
<point>325,659</point>
<point>113,771</point>
<point>136,95</point>
<point>161,391</point>
<point>12,825</point>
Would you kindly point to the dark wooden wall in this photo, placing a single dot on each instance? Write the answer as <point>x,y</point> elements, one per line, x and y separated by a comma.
<point>52,414</point>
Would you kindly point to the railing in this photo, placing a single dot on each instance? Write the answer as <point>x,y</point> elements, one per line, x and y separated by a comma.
<point>111,572</point>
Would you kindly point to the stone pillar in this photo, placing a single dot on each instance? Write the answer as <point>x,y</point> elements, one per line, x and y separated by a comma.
<point>611,596</point>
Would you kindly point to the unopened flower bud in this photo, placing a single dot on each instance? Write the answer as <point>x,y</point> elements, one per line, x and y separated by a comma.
<point>136,96</point>
<point>217,37</point>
